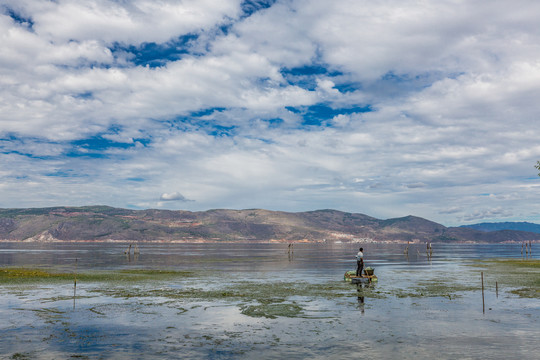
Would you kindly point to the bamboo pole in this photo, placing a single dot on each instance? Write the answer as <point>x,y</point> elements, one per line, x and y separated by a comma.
<point>483,303</point>
<point>75,283</point>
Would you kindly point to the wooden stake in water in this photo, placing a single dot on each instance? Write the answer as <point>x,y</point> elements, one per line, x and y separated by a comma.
<point>75,283</point>
<point>483,304</point>
<point>497,289</point>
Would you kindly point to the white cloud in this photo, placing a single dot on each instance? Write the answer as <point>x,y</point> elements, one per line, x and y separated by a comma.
<point>279,34</point>
<point>451,210</point>
<point>131,22</point>
<point>453,88</point>
<point>495,213</point>
<point>175,196</point>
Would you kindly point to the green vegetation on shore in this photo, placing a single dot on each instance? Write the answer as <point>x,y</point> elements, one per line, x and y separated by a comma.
<point>519,276</point>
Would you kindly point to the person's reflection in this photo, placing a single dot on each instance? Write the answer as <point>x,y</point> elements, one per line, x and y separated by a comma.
<point>291,251</point>
<point>360,294</point>
<point>133,258</point>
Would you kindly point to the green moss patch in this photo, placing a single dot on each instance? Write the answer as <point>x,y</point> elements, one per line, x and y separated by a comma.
<point>518,276</point>
<point>255,299</point>
<point>527,292</point>
<point>435,288</point>
<point>20,356</point>
<point>240,291</point>
<point>8,275</point>
<point>517,263</point>
<point>450,289</point>
<point>272,310</point>
<point>31,275</point>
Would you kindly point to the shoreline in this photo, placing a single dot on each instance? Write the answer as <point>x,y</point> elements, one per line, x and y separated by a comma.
<point>284,242</point>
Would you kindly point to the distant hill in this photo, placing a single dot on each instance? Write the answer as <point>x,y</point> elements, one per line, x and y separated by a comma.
<point>103,223</point>
<point>520,226</point>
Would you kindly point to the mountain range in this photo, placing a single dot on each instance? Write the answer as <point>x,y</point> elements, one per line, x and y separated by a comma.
<point>521,226</point>
<point>103,223</point>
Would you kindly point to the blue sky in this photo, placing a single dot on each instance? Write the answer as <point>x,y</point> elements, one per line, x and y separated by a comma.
<point>386,108</point>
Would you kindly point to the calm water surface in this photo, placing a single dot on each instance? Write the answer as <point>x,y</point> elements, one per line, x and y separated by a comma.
<point>46,322</point>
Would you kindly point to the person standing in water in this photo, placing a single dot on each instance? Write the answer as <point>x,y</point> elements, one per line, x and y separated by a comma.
<point>360,262</point>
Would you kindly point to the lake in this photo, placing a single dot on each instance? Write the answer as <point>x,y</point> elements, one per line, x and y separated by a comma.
<point>246,301</point>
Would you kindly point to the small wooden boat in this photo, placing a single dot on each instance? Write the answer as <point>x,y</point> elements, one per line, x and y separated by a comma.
<point>351,276</point>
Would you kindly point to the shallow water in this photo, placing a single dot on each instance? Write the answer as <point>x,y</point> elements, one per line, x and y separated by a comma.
<point>258,301</point>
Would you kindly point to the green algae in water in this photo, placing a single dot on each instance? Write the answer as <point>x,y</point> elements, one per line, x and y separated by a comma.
<point>370,291</point>
<point>272,310</point>
<point>239,291</point>
<point>254,299</point>
<point>439,288</point>
<point>520,277</point>
<point>8,275</point>
<point>527,292</point>
<point>32,275</point>
<point>20,356</point>
<point>49,315</point>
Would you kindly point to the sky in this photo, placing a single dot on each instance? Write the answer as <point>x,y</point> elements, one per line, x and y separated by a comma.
<point>383,107</point>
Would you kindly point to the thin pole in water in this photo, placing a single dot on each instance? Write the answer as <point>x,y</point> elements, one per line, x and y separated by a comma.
<point>497,289</point>
<point>75,283</point>
<point>483,303</point>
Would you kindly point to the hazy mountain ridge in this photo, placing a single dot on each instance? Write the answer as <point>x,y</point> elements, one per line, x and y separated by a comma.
<point>102,223</point>
<point>520,226</point>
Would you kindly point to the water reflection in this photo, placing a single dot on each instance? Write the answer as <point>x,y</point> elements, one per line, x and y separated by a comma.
<point>131,258</point>
<point>361,288</point>
<point>324,259</point>
<point>136,253</point>
<point>360,295</point>
<point>526,250</point>
<point>108,323</point>
<point>290,251</point>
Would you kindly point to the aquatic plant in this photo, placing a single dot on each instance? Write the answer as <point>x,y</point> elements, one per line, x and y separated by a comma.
<point>519,276</point>
<point>272,310</point>
<point>19,275</point>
